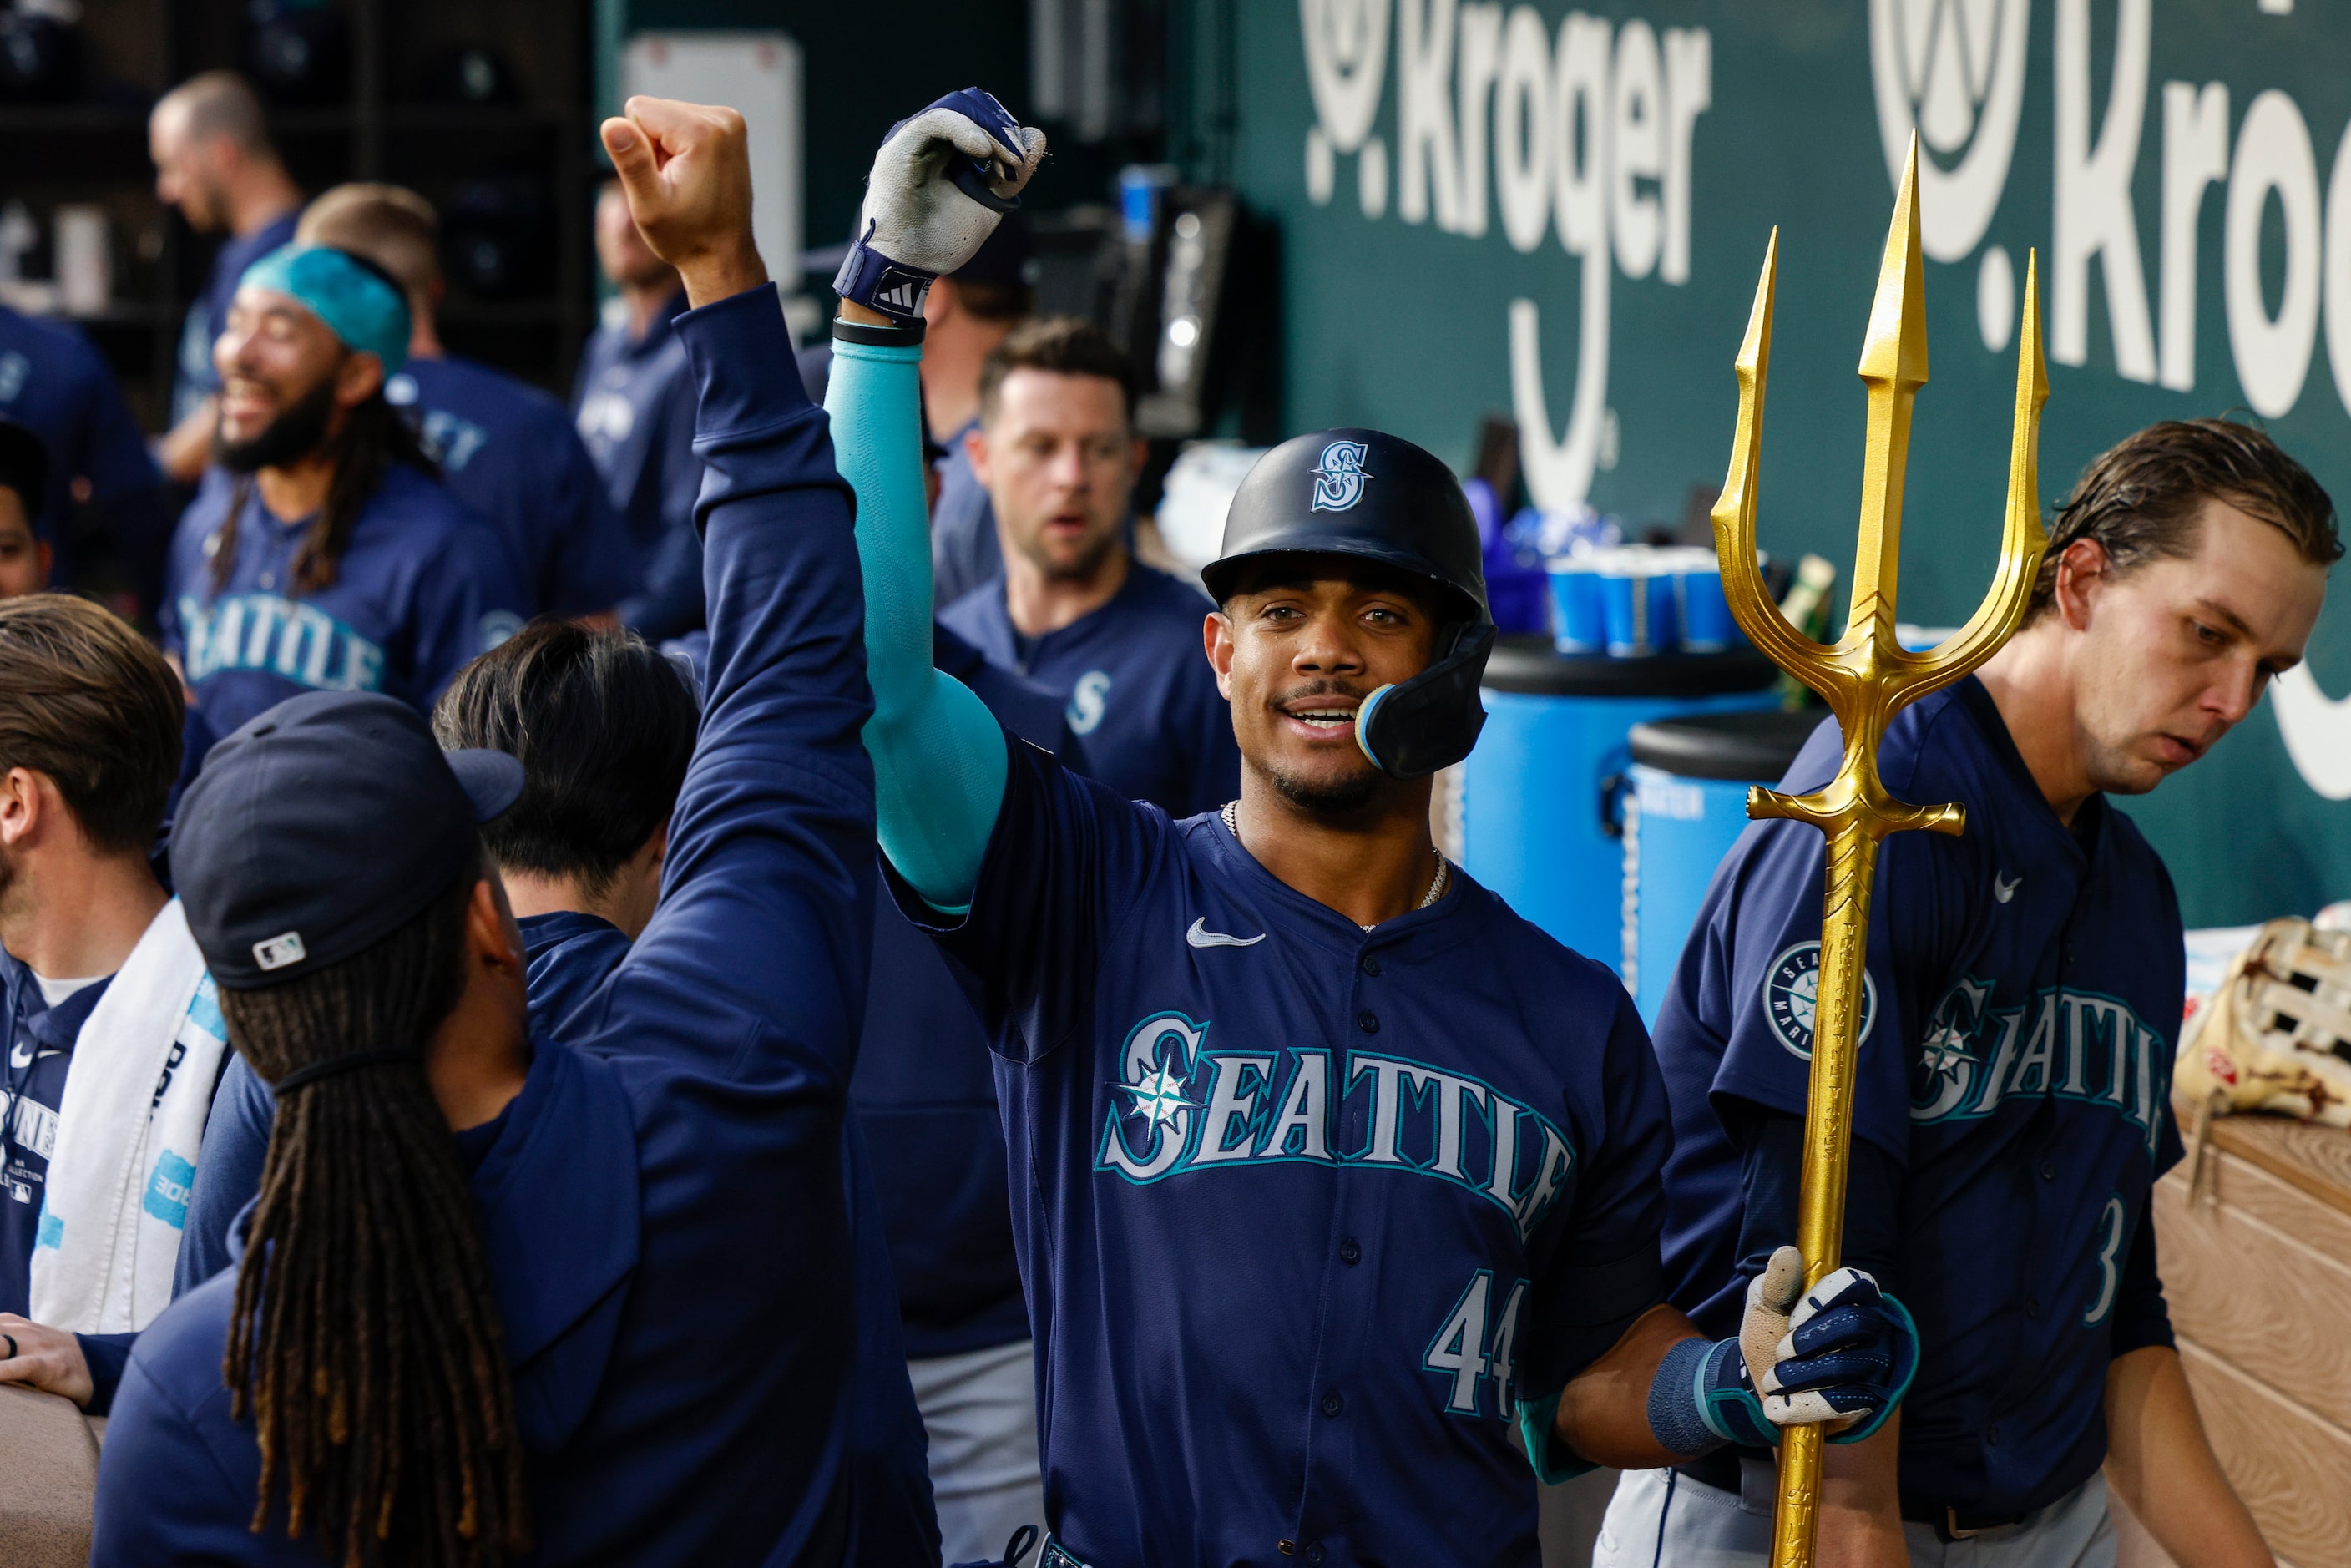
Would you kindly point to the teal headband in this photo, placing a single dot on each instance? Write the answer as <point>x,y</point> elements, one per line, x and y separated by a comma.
<point>368,314</point>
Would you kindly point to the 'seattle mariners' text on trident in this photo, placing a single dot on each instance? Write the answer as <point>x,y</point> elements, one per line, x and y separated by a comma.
<point>1865,678</point>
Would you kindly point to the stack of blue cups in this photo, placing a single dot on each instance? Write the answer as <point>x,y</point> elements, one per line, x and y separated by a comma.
<point>1637,601</point>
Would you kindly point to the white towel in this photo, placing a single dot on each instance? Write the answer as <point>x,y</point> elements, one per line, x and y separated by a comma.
<point>129,1125</point>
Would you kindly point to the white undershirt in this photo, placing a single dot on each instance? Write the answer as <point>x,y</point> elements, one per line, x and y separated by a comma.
<point>55,991</point>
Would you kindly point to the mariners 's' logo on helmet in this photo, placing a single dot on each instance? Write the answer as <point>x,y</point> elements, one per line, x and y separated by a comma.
<point>1339,476</point>
<point>1790,991</point>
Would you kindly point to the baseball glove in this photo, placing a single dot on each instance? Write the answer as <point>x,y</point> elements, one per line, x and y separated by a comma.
<point>2277,1034</point>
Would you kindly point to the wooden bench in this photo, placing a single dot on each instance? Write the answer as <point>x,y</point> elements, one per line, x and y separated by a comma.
<point>49,1476</point>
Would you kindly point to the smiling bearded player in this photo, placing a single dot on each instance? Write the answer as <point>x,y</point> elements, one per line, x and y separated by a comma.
<point>323,553</point>
<point>2012,1105</point>
<point>1330,1168</point>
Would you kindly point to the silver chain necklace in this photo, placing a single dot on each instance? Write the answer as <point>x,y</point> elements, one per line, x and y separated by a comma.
<point>1436,885</point>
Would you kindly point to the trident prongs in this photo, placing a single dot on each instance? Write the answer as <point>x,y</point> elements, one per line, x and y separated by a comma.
<point>1866,677</point>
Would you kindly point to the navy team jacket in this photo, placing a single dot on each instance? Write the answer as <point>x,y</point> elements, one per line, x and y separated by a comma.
<point>664,1206</point>
<point>570,954</point>
<point>1307,1213</point>
<point>2023,995</point>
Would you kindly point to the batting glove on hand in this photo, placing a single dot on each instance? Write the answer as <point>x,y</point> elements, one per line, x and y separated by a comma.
<point>938,187</point>
<point>1843,1358</point>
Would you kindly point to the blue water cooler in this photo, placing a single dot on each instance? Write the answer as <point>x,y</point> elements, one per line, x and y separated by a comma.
<point>1541,795</point>
<point>1686,804</point>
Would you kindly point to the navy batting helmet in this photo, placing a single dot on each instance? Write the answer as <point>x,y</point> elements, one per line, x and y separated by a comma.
<point>1379,498</point>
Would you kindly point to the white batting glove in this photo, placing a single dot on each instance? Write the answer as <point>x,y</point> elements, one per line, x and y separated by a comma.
<point>1843,1358</point>
<point>939,185</point>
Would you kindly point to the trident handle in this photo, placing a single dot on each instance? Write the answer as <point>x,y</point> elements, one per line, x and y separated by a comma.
<point>1866,677</point>
<point>1828,1148</point>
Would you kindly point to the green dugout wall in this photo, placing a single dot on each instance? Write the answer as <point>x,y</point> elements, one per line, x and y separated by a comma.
<point>1453,242</point>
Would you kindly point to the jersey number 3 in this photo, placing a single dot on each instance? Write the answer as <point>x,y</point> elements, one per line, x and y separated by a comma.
<point>1463,1351</point>
<point>2110,1273</point>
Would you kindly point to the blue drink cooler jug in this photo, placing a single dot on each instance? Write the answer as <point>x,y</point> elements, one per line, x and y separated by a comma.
<point>1685,806</point>
<point>1540,794</point>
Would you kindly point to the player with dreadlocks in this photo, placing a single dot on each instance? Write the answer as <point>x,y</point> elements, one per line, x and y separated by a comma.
<point>377,1301</point>
<point>580,1288</point>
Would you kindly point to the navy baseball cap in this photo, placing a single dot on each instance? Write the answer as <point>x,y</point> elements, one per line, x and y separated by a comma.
<point>319,826</point>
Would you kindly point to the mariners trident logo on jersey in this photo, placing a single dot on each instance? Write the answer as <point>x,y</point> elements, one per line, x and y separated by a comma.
<point>2079,1045</point>
<point>1179,1108</point>
<point>1339,476</point>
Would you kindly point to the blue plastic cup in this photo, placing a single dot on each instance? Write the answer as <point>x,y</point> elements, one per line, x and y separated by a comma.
<point>1706,623</point>
<point>1637,586</point>
<point>1578,618</point>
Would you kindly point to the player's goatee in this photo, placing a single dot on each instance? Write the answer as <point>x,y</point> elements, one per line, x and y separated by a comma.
<point>1342,797</point>
<point>294,434</point>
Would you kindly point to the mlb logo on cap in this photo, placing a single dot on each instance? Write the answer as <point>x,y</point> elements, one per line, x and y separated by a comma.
<point>279,951</point>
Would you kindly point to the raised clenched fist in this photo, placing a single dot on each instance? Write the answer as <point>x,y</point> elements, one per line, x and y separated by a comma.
<point>940,183</point>
<point>686,169</point>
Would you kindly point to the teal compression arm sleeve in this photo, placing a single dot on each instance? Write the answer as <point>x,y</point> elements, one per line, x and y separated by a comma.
<point>938,753</point>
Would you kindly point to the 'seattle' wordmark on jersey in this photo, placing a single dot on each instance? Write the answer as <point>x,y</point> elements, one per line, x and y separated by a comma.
<point>299,641</point>
<point>1182,1108</point>
<point>2078,1045</point>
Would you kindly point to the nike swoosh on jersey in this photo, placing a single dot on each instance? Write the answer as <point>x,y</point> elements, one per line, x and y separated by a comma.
<point>1199,935</point>
<point>2004,891</point>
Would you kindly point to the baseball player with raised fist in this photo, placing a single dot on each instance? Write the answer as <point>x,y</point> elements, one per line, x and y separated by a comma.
<point>2017,1025</point>
<point>592,1301</point>
<point>1332,1177</point>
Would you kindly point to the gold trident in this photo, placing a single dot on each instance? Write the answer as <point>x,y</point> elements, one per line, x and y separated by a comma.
<point>1865,678</point>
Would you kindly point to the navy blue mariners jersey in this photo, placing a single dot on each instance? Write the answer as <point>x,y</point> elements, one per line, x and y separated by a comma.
<point>510,451</point>
<point>1304,1211</point>
<point>55,385</point>
<point>2024,993</point>
<point>423,585</point>
<point>1142,699</point>
<point>633,405</point>
<point>208,317</point>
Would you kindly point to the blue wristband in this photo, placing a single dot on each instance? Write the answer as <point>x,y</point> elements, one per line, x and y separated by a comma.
<point>1677,1410</point>
<point>1701,1399</point>
<point>874,281</point>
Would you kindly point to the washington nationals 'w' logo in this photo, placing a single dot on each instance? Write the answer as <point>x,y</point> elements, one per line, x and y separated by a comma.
<point>1339,476</point>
